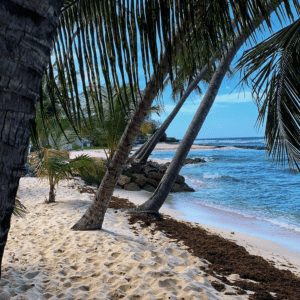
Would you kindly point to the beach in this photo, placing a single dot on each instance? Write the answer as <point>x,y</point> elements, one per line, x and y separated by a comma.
<point>44,259</point>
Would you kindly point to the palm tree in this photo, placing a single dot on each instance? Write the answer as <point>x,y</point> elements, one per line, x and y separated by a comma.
<point>115,31</point>
<point>153,204</point>
<point>55,165</point>
<point>276,89</point>
<point>94,216</point>
<point>142,154</point>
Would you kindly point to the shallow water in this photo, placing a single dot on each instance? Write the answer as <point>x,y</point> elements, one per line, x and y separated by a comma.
<point>242,185</point>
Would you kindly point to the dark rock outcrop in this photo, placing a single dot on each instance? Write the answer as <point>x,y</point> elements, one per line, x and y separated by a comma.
<point>195,160</point>
<point>132,186</point>
<point>148,177</point>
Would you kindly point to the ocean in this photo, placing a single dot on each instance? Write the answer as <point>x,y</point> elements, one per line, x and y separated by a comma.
<point>240,189</point>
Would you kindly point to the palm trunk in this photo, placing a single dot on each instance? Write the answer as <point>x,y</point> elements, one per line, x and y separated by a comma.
<point>94,216</point>
<point>27,29</point>
<point>51,194</point>
<point>142,156</point>
<point>154,203</point>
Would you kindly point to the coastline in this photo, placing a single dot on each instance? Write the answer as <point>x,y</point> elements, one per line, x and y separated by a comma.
<point>269,250</point>
<point>222,219</point>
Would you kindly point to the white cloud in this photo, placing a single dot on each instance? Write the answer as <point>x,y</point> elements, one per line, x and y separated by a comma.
<point>234,98</point>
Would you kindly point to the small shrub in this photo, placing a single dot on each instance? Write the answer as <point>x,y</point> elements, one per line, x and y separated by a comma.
<point>92,174</point>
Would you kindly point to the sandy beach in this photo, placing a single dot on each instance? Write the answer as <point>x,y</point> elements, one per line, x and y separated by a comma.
<point>159,147</point>
<point>44,259</point>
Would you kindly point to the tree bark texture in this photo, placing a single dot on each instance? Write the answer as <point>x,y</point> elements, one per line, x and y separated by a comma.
<point>94,216</point>
<point>51,194</point>
<point>27,30</point>
<point>154,203</point>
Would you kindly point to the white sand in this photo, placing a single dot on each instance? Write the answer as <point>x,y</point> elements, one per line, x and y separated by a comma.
<point>44,259</point>
<point>159,147</point>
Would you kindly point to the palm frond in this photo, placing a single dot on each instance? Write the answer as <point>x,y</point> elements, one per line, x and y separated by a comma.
<point>19,209</point>
<point>102,40</point>
<point>275,64</point>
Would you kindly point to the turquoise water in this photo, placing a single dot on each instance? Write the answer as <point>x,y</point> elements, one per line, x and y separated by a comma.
<point>241,183</point>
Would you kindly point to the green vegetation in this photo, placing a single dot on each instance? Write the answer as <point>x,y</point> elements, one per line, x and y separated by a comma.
<point>55,165</point>
<point>92,174</point>
<point>19,209</point>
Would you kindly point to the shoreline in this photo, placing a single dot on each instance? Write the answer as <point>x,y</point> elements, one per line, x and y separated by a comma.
<point>270,250</point>
<point>220,218</point>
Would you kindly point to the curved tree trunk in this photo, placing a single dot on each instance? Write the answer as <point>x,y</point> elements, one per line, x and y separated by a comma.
<point>94,216</point>
<point>155,202</point>
<point>142,156</point>
<point>27,29</point>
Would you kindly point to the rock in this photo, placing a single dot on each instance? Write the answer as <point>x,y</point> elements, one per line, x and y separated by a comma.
<point>136,168</point>
<point>149,188</point>
<point>163,168</point>
<point>177,188</point>
<point>155,175</point>
<point>152,182</point>
<point>187,188</point>
<point>131,187</point>
<point>180,179</point>
<point>123,179</point>
<point>194,160</point>
<point>172,140</point>
<point>140,179</point>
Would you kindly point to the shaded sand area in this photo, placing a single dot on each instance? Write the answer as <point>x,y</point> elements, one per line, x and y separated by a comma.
<point>130,259</point>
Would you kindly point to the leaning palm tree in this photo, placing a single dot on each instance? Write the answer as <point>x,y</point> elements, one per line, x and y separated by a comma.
<point>112,27</point>
<point>94,216</point>
<point>187,76</point>
<point>153,204</point>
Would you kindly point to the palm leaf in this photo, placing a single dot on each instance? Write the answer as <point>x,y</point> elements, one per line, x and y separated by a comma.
<point>275,64</point>
<point>103,39</point>
<point>19,209</point>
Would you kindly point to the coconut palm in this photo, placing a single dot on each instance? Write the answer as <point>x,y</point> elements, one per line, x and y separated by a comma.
<point>153,204</point>
<point>276,87</point>
<point>94,216</point>
<point>114,29</point>
<point>54,165</point>
<point>192,78</point>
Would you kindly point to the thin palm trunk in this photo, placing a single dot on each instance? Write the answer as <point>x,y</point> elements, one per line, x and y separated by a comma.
<point>51,194</point>
<point>155,202</point>
<point>142,156</point>
<point>26,41</point>
<point>94,216</point>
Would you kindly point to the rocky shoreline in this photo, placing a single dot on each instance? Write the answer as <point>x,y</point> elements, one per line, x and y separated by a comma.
<point>148,177</point>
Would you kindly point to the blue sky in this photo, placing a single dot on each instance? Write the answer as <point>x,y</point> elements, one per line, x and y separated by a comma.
<point>233,114</point>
